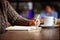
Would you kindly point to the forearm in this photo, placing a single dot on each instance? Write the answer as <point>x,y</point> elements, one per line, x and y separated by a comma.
<point>15,18</point>
<point>22,22</point>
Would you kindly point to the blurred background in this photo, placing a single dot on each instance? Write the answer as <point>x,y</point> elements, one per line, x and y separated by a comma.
<point>30,8</point>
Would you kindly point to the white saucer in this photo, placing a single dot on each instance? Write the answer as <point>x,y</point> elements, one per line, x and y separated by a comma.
<point>49,26</point>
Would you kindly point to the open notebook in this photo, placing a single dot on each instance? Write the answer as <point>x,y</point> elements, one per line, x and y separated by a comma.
<point>23,28</point>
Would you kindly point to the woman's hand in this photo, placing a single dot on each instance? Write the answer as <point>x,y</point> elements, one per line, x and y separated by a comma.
<point>34,22</point>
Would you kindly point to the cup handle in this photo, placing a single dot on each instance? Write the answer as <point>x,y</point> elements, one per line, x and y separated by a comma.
<point>55,21</point>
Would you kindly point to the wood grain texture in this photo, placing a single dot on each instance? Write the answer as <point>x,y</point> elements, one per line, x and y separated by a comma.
<point>45,34</point>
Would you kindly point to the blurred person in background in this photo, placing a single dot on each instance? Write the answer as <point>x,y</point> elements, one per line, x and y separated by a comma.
<point>8,14</point>
<point>48,11</point>
<point>27,11</point>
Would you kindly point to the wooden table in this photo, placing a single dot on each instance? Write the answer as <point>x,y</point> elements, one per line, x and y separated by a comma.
<point>45,34</point>
<point>59,26</point>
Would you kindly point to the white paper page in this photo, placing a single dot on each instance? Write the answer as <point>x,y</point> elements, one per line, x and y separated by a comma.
<point>21,28</point>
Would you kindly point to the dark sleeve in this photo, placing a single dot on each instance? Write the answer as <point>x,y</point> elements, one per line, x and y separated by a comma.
<point>14,18</point>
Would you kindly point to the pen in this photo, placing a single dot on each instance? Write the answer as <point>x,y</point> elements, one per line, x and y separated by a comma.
<point>37,20</point>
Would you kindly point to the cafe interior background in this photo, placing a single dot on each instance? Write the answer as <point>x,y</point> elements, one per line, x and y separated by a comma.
<point>30,8</point>
<point>37,6</point>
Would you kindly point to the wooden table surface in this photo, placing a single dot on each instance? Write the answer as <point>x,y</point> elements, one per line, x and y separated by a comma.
<point>44,34</point>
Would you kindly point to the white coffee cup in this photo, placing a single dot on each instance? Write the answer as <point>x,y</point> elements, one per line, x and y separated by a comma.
<point>49,21</point>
